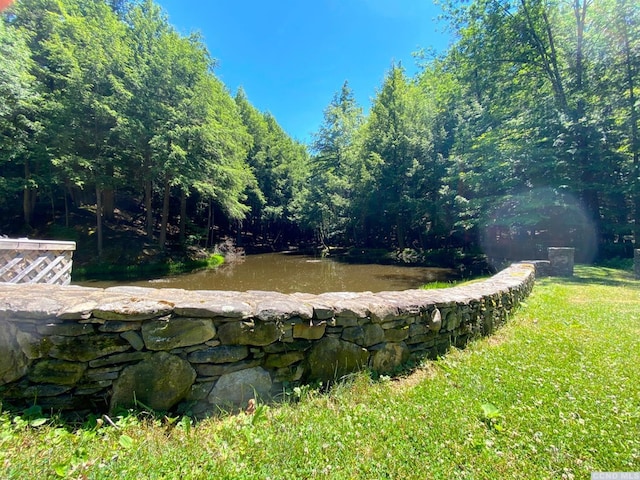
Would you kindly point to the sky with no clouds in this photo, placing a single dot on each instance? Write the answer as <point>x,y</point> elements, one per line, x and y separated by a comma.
<point>292,56</point>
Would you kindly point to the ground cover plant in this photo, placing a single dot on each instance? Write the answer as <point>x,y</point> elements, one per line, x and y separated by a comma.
<point>553,394</point>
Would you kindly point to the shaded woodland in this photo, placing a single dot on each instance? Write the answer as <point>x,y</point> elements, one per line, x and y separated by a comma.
<point>523,135</point>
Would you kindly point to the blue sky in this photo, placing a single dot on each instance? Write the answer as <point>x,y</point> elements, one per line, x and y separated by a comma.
<point>292,56</point>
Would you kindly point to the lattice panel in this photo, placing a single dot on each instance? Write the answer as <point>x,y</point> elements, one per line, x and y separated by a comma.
<point>36,266</point>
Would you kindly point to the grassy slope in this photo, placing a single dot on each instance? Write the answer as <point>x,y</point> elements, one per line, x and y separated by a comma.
<point>554,394</point>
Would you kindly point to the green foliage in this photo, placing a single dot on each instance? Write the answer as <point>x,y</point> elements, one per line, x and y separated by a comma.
<point>19,122</point>
<point>222,143</point>
<point>437,285</point>
<point>404,174</point>
<point>330,203</point>
<point>535,78</point>
<point>280,166</point>
<point>127,103</point>
<point>491,417</point>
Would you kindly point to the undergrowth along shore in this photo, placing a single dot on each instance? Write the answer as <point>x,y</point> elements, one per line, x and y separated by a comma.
<point>111,271</point>
<point>555,393</point>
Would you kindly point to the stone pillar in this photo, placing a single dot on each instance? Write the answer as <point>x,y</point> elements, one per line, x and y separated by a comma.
<point>561,260</point>
<point>636,263</point>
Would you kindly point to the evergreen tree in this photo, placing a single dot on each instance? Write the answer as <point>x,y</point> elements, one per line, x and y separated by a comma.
<point>19,126</point>
<point>329,206</point>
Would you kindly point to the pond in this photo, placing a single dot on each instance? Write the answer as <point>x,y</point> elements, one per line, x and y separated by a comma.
<point>288,273</point>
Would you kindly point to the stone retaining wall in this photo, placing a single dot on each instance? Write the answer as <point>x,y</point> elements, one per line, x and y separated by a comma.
<point>94,350</point>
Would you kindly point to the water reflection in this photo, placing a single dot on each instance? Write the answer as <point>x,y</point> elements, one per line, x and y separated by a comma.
<point>288,273</point>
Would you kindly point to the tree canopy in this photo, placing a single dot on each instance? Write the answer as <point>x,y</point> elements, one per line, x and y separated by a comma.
<point>524,132</point>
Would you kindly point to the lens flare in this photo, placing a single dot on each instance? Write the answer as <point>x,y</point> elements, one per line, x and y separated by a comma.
<point>523,226</point>
<point>4,4</point>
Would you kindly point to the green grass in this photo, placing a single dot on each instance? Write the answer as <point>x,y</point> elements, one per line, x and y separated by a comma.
<point>437,285</point>
<point>452,283</point>
<point>553,394</point>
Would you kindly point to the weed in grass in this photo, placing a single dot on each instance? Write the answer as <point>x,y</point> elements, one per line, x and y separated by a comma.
<point>491,417</point>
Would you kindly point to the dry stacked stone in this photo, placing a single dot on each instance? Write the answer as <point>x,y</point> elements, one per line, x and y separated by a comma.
<point>196,352</point>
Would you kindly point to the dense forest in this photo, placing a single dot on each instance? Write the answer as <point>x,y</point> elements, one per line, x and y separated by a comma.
<point>523,135</point>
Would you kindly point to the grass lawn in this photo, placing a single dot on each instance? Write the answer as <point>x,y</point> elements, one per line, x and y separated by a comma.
<point>553,394</point>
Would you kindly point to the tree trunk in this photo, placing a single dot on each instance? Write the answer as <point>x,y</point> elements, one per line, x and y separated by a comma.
<point>635,140</point>
<point>165,214</point>
<point>209,241</point>
<point>109,195</point>
<point>587,164</point>
<point>27,200</point>
<point>109,203</point>
<point>183,216</point>
<point>66,206</point>
<point>99,219</point>
<point>400,232</point>
<point>148,191</point>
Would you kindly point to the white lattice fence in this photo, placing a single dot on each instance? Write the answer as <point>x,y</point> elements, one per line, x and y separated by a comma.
<point>36,261</point>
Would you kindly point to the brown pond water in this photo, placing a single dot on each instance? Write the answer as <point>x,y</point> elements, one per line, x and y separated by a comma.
<point>286,273</point>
